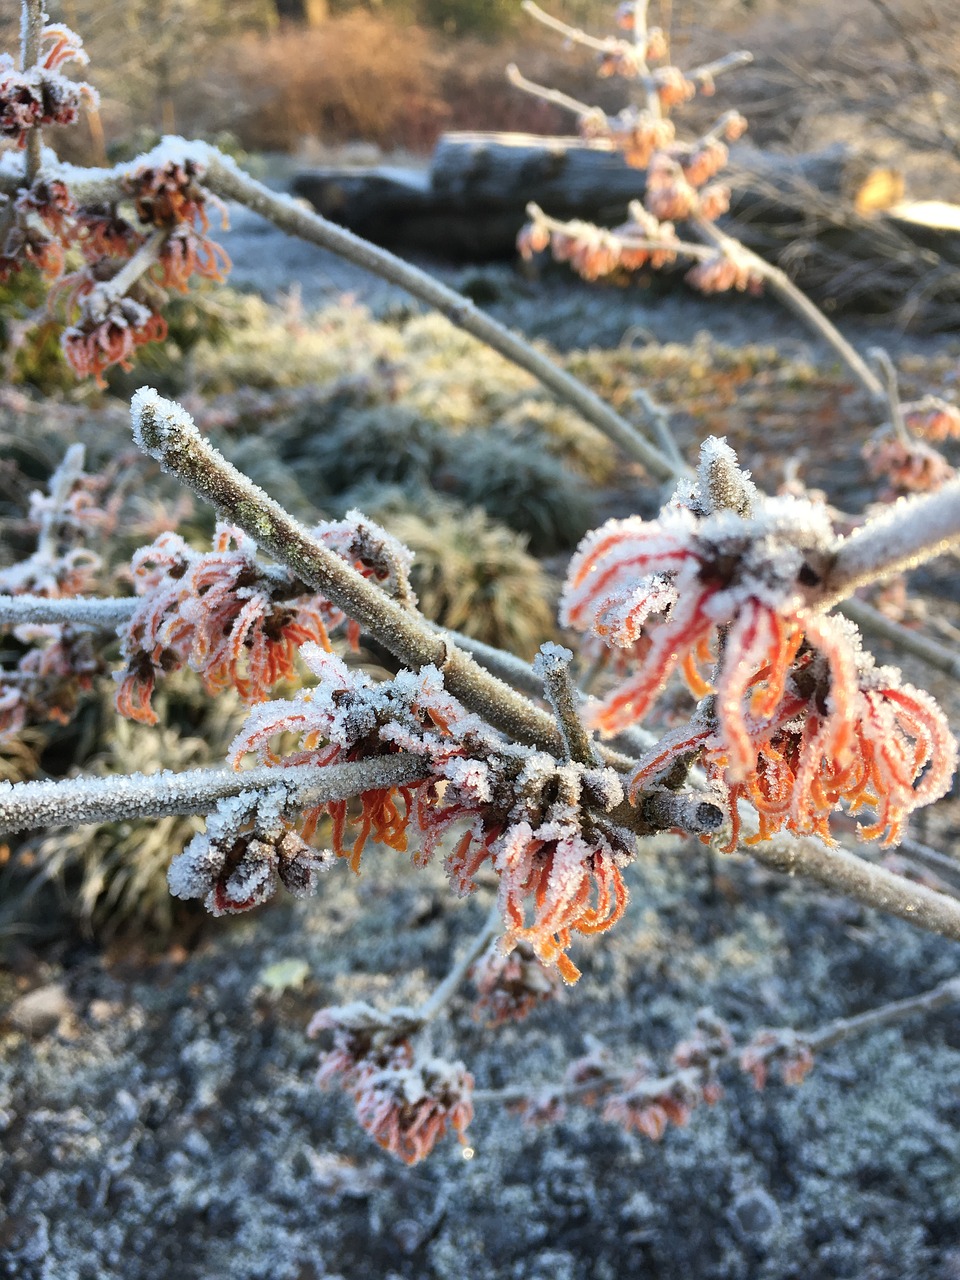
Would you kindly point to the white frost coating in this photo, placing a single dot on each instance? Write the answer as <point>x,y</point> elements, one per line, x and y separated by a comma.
<point>910,532</point>
<point>721,483</point>
<point>78,801</point>
<point>165,418</point>
<point>76,611</point>
<point>551,657</point>
<point>169,150</point>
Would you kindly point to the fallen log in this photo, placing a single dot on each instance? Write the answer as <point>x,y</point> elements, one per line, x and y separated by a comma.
<point>818,215</point>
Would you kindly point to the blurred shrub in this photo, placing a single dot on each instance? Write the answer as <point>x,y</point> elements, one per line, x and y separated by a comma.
<point>390,444</point>
<point>358,76</point>
<point>520,486</point>
<point>516,482</point>
<point>469,572</point>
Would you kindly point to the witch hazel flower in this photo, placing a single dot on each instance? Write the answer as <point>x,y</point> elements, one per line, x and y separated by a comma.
<point>235,621</point>
<point>41,95</point>
<point>405,1099</point>
<point>909,465</point>
<point>511,986</point>
<point>541,825</point>
<point>779,1047</point>
<point>247,849</point>
<point>794,715</point>
<point>932,418</point>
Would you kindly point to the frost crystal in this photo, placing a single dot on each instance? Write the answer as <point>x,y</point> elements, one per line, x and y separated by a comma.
<point>796,720</point>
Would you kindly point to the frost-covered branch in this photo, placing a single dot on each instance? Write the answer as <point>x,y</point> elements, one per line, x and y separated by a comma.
<point>843,872</point>
<point>224,178</point>
<point>941,996</point>
<point>82,612</point>
<point>32,18</point>
<point>118,798</point>
<point>910,532</point>
<point>444,992</point>
<point>697,1060</point>
<point>167,432</point>
<point>552,665</point>
<point>798,303</point>
<point>557,99</point>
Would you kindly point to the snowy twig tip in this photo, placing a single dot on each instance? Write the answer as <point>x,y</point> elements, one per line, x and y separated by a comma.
<point>157,421</point>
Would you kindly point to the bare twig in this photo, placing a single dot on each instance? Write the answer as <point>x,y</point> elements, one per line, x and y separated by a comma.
<point>226,180</point>
<point>545,93</point>
<point>930,651</point>
<point>827,1036</point>
<point>552,665</point>
<point>912,531</point>
<point>881,359</point>
<point>31,29</point>
<point>84,612</point>
<point>447,989</point>
<point>223,178</point>
<point>939,997</point>
<point>77,801</point>
<point>599,44</point>
<point>843,872</point>
<point>798,303</point>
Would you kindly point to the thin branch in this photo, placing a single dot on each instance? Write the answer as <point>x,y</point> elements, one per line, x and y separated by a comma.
<point>797,302</point>
<point>939,997</point>
<point>930,651</point>
<point>825,1037</point>
<point>223,178</point>
<point>843,872</point>
<point>881,359</point>
<point>227,181</point>
<point>32,18</point>
<point>83,612</point>
<point>121,798</point>
<point>931,858</point>
<point>545,93</point>
<point>631,744</point>
<point>910,532</point>
<point>659,419</point>
<point>600,44</point>
<point>447,989</point>
<point>167,432</point>
<point>708,71</point>
<point>99,299</point>
<point>552,665</point>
